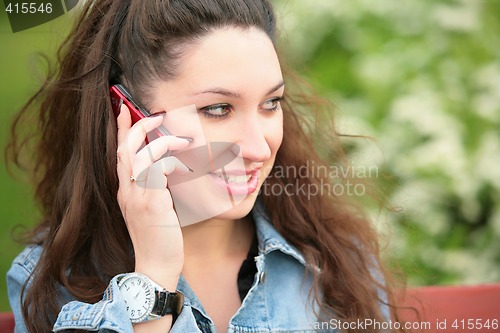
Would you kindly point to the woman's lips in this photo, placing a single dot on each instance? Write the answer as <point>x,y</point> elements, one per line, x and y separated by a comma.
<point>237,182</point>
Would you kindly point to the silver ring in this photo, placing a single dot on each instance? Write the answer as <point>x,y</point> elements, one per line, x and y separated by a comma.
<point>132,179</point>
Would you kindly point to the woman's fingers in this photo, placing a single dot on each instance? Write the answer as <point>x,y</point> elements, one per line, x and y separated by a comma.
<point>138,132</point>
<point>131,138</point>
<point>124,122</point>
<point>155,176</point>
<point>156,149</point>
<point>172,164</point>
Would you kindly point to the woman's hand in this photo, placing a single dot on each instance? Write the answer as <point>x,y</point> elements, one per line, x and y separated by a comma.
<point>145,201</point>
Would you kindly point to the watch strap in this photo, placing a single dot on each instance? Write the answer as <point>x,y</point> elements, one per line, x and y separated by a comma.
<point>168,303</point>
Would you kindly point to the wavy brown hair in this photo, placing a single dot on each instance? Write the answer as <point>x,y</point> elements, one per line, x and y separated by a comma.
<point>73,147</point>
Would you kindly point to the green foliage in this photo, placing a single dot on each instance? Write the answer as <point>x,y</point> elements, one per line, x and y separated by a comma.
<point>423,79</point>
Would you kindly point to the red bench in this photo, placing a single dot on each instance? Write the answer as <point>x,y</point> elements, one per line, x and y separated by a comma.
<point>6,322</point>
<point>453,309</point>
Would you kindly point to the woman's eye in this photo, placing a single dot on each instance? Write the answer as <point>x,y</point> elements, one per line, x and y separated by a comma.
<point>272,104</point>
<point>219,111</point>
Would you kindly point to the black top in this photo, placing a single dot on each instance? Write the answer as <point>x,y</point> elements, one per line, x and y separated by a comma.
<point>248,270</point>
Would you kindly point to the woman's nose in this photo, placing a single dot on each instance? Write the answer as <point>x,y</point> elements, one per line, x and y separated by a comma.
<point>252,139</point>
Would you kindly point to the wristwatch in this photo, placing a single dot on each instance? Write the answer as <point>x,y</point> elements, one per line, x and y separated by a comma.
<point>146,300</point>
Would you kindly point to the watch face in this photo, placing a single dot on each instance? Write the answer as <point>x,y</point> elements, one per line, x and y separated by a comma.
<point>139,296</point>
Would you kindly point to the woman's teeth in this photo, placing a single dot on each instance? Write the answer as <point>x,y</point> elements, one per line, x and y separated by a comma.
<point>234,178</point>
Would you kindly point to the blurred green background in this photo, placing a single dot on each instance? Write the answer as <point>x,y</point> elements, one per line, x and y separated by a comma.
<point>421,77</point>
<point>21,74</point>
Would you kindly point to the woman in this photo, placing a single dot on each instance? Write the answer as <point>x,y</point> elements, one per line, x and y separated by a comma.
<point>287,261</point>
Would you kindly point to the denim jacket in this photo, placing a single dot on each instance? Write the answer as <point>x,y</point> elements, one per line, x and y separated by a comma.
<point>277,301</point>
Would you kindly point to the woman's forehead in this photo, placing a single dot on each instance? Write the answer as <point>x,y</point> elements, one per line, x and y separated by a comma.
<point>232,61</point>
<point>229,54</point>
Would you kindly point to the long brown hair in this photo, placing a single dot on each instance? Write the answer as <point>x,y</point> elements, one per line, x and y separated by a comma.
<point>82,231</point>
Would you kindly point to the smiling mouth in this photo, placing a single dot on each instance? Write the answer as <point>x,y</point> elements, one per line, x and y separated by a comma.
<point>235,179</point>
<point>237,183</point>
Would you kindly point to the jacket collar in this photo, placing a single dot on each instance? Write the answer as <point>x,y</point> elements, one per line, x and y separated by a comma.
<point>269,238</point>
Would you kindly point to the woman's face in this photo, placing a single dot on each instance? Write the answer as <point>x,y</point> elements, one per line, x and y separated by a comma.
<point>226,95</point>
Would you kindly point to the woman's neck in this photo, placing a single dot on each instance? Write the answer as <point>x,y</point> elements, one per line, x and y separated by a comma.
<point>216,239</point>
<point>213,253</point>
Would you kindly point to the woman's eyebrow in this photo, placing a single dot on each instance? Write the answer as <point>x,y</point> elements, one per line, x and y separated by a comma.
<point>219,91</point>
<point>228,93</point>
<point>276,87</point>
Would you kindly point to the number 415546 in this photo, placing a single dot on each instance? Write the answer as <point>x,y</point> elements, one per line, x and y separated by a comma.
<point>475,324</point>
<point>29,8</point>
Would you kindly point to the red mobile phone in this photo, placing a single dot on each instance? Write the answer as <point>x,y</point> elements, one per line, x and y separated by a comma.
<point>119,94</point>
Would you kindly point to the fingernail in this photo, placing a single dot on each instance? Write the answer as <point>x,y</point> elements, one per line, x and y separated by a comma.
<point>157,114</point>
<point>186,138</point>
